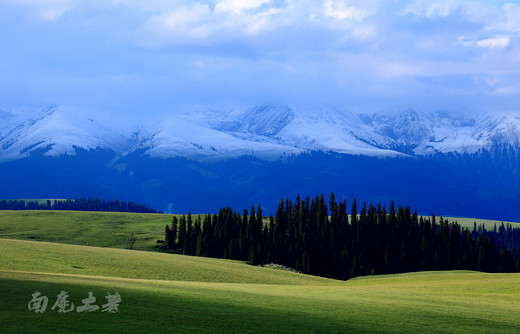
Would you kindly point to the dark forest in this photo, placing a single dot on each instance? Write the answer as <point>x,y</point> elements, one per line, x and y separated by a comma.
<point>323,239</point>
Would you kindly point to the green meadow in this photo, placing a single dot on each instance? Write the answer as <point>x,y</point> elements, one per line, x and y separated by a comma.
<point>32,256</point>
<point>103,229</point>
<point>167,293</point>
<point>109,229</point>
<point>489,224</point>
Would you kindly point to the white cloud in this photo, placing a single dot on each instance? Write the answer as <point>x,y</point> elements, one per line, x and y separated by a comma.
<point>48,10</point>
<point>365,32</point>
<point>498,42</point>
<point>389,70</point>
<point>438,8</point>
<point>259,22</point>
<point>196,23</point>
<point>246,16</point>
<point>340,10</point>
<point>184,17</point>
<point>238,6</point>
<point>171,45</point>
<point>509,21</point>
<point>51,14</point>
<point>184,23</point>
<point>495,42</point>
<point>508,90</point>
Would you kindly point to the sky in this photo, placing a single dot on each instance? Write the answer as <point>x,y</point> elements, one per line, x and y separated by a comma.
<point>146,57</point>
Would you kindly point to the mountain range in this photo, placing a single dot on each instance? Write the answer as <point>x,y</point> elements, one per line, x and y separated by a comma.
<point>200,159</point>
<point>265,132</point>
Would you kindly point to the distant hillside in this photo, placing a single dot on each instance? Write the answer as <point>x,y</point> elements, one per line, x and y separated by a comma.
<point>484,185</point>
<point>102,229</point>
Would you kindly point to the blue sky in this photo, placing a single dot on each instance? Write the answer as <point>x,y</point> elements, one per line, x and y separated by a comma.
<point>150,56</point>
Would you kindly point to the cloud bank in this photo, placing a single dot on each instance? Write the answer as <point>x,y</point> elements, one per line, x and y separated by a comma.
<point>149,56</point>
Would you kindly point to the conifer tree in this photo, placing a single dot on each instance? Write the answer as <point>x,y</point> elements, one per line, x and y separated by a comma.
<point>188,240</point>
<point>167,236</point>
<point>173,231</point>
<point>206,236</point>
<point>182,232</point>
<point>196,238</point>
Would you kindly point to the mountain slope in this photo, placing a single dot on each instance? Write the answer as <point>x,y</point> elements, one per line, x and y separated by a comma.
<point>57,132</point>
<point>410,132</point>
<point>263,131</point>
<point>421,133</point>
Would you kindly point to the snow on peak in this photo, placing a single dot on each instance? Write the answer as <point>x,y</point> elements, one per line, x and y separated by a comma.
<point>56,131</point>
<point>261,120</point>
<point>264,131</point>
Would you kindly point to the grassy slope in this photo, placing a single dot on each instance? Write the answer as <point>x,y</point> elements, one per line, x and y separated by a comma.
<point>195,294</point>
<point>450,302</point>
<point>35,256</point>
<point>173,293</point>
<point>105,229</point>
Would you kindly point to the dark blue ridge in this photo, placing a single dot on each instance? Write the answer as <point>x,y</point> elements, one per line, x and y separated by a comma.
<point>482,185</point>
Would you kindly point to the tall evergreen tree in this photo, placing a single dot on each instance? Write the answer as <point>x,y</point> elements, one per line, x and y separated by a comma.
<point>173,231</point>
<point>182,232</point>
<point>167,237</point>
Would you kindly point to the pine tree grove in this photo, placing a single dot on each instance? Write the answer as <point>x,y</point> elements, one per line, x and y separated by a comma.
<point>322,240</point>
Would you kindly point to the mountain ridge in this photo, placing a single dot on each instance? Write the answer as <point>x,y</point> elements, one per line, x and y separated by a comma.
<point>264,131</point>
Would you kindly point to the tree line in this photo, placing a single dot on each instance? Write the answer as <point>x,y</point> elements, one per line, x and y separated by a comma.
<point>325,240</point>
<point>505,236</point>
<point>78,204</point>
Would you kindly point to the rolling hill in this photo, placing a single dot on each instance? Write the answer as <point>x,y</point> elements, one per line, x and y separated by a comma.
<point>165,293</point>
<point>192,297</point>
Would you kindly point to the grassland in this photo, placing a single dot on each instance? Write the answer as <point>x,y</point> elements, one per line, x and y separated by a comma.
<point>166,293</point>
<point>103,229</point>
<point>489,224</point>
<point>430,302</point>
<point>107,229</point>
<point>31,256</point>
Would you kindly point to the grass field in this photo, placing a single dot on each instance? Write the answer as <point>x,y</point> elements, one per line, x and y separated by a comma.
<point>489,224</point>
<point>34,256</point>
<point>108,229</point>
<point>166,293</point>
<point>103,229</point>
<point>195,294</point>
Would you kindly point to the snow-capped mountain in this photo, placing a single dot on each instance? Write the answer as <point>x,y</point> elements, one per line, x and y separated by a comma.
<point>420,133</point>
<point>55,132</point>
<point>39,151</point>
<point>330,129</point>
<point>262,131</point>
